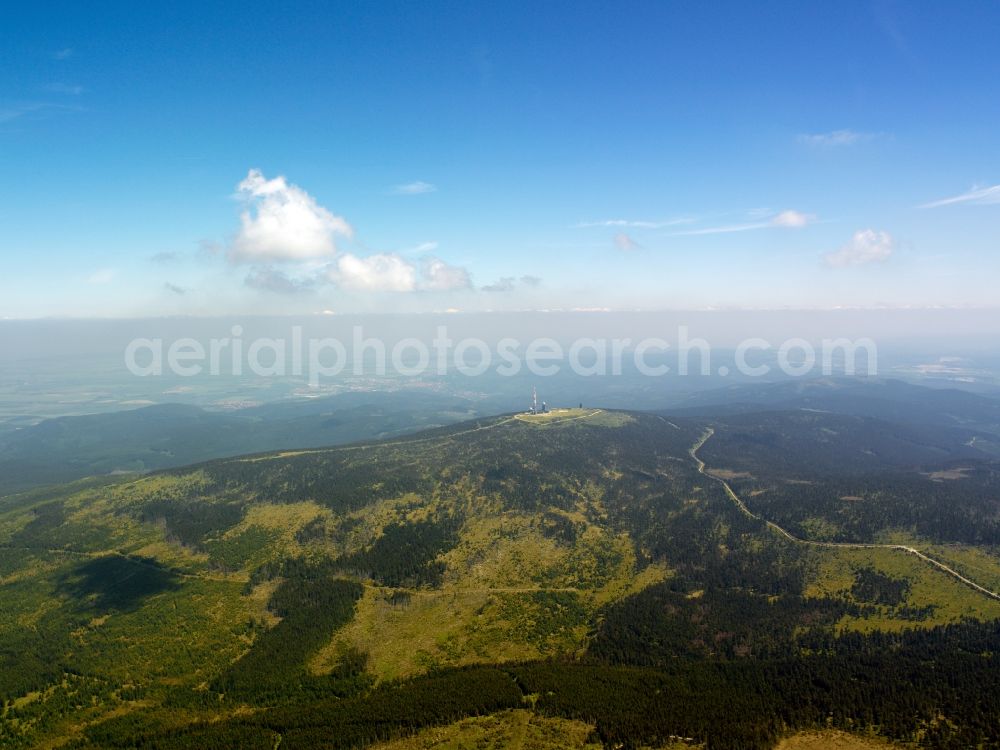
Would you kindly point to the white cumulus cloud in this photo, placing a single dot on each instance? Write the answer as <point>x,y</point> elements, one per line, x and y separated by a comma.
<point>423,247</point>
<point>290,243</point>
<point>391,272</point>
<point>866,246</point>
<point>384,272</point>
<point>282,222</point>
<point>439,276</point>
<point>791,219</point>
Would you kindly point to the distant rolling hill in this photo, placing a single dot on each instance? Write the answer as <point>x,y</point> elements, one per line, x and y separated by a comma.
<point>158,437</point>
<point>890,400</point>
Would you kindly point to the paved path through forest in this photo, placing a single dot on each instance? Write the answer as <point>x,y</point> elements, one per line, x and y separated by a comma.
<point>849,545</point>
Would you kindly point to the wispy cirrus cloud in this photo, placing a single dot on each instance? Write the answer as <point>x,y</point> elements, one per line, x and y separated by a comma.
<point>980,196</point>
<point>726,229</point>
<point>784,220</point>
<point>64,88</point>
<point>419,187</point>
<point>63,54</point>
<point>423,247</point>
<point>14,111</point>
<point>632,224</point>
<point>834,138</point>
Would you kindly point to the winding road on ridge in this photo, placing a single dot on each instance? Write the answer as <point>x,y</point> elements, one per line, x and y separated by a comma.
<point>709,432</point>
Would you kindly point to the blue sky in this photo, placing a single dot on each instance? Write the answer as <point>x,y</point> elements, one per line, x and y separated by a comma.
<point>213,158</point>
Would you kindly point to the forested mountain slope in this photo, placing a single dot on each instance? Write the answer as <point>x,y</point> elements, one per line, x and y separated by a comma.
<point>578,565</point>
